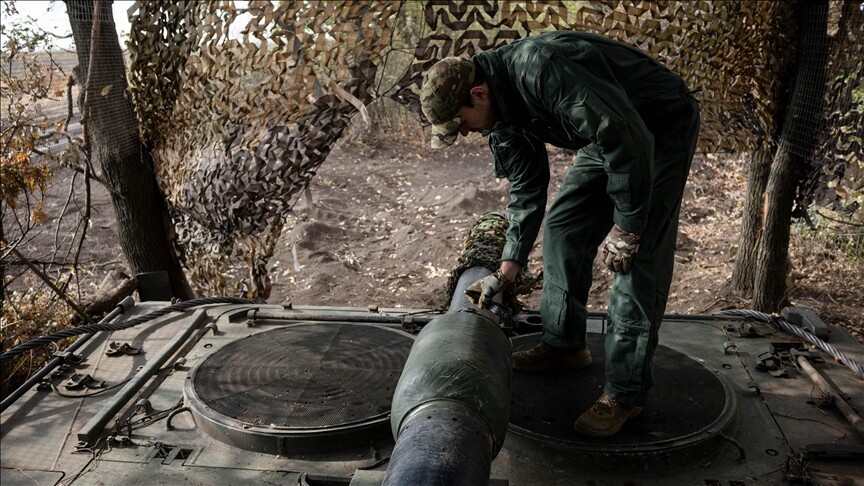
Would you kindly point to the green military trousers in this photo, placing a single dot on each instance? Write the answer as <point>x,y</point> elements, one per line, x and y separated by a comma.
<point>575,226</point>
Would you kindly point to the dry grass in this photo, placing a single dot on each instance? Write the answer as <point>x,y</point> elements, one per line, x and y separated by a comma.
<point>828,264</point>
<point>27,315</point>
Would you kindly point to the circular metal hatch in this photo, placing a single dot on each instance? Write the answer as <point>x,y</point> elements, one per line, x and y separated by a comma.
<point>688,411</point>
<point>308,388</point>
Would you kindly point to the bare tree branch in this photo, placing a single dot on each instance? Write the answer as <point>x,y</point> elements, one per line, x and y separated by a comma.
<point>69,83</point>
<point>84,219</point>
<point>850,223</point>
<point>63,211</point>
<point>55,262</point>
<point>53,287</point>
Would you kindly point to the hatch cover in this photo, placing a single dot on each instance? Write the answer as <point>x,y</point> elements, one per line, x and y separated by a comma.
<point>304,388</point>
<point>689,409</point>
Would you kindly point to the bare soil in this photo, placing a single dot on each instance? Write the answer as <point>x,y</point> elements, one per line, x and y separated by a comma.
<point>389,216</point>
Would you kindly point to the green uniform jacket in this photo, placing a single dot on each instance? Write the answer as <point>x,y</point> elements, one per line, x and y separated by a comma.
<point>573,89</point>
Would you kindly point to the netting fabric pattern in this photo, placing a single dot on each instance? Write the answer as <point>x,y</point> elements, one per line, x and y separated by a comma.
<point>240,107</point>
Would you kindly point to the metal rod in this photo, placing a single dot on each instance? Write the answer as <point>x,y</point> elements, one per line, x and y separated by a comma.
<point>853,418</point>
<point>296,315</point>
<point>122,307</point>
<point>96,425</point>
<point>326,317</point>
<point>666,317</point>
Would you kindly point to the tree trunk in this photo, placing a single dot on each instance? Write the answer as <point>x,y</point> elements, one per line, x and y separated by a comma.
<point>115,287</point>
<point>751,221</point>
<point>769,285</point>
<point>112,133</point>
<point>796,145</point>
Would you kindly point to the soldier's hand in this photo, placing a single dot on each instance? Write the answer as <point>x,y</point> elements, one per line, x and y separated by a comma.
<point>619,248</point>
<point>481,292</point>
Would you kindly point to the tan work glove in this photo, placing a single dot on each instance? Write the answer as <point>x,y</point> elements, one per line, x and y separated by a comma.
<point>619,248</point>
<point>481,292</point>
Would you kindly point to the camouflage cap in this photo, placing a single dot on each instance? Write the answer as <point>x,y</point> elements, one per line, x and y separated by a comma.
<point>445,89</point>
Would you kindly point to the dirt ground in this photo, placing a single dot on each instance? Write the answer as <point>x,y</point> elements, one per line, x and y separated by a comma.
<point>389,216</point>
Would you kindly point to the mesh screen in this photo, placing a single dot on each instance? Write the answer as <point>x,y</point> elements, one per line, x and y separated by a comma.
<point>305,375</point>
<point>686,398</point>
<point>240,103</point>
<point>102,84</point>
<point>836,178</point>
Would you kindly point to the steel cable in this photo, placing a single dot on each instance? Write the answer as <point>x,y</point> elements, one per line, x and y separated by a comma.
<point>75,331</point>
<point>797,331</point>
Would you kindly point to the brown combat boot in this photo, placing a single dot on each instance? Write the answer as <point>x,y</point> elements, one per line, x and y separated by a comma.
<point>544,357</point>
<point>605,418</point>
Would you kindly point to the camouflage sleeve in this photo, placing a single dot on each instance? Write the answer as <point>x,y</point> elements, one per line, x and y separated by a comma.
<point>521,159</point>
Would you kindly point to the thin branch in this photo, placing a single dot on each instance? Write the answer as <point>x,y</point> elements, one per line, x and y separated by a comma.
<point>98,179</point>
<point>53,287</point>
<point>23,227</point>
<point>55,63</point>
<point>85,219</point>
<point>64,285</point>
<point>56,36</point>
<point>77,282</point>
<point>839,220</point>
<point>63,211</point>
<point>94,39</point>
<point>10,281</point>
<point>55,262</point>
<point>9,246</point>
<point>74,235</point>
<point>69,83</point>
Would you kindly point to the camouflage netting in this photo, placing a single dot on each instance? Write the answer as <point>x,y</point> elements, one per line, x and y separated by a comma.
<point>241,108</point>
<point>482,247</point>
<point>838,181</point>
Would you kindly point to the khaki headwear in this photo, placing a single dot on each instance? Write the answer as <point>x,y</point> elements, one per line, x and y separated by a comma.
<point>446,88</point>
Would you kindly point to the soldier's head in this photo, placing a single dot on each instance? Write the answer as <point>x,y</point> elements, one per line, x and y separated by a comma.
<point>455,99</point>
